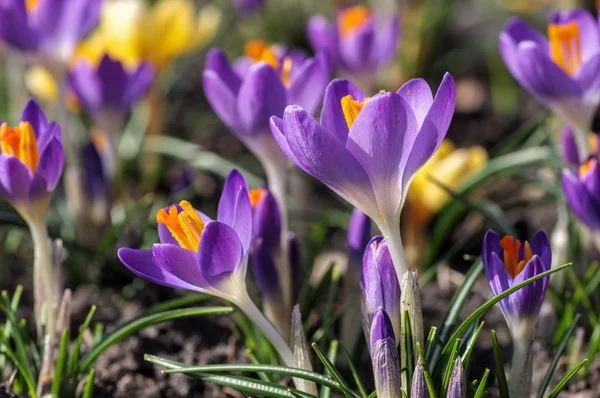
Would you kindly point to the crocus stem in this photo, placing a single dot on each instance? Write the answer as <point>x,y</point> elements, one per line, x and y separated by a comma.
<point>44,278</point>
<point>391,234</point>
<point>245,303</point>
<point>581,140</point>
<point>519,384</point>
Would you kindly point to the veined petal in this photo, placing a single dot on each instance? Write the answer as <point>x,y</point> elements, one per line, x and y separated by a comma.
<point>217,61</point>
<point>222,99</point>
<point>308,84</point>
<point>540,245</point>
<point>332,115</point>
<point>580,201</point>
<point>15,178</point>
<point>527,301</point>
<point>220,254</point>
<point>264,270</point>
<point>179,262</point>
<point>417,94</point>
<point>357,47</point>
<point>51,163</point>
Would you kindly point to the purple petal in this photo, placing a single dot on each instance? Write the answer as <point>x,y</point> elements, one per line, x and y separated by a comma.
<point>582,204</point>
<point>179,262</point>
<point>308,84</point>
<point>142,264</point>
<point>540,246</point>
<point>264,270</point>
<point>527,301</point>
<point>320,154</point>
<point>261,96</point>
<point>267,220</point>
<point>86,84</point>
<point>356,48</point>
<point>276,124</point>
<point>217,62</point>
<point>588,80</point>
<point>569,147</point>
<point>233,184</point>
<point>381,328</point>
<point>332,115</point>
<point>323,37</point>
<point>434,128</point>
<point>386,41</point>
<point>51,163</point>
<point>359,233</point>
<point>35,116</point>
<point>498,278</point>
<point>138,85</point>
<point>591,181</point>
<point>14,26</point>
<point>222,99</point>
<point>15,178</point>
<point>220,253</point>
<point>417,94</point>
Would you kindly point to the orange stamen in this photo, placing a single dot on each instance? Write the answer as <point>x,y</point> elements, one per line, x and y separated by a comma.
<point>286,71</point>
<point>259,51</point>
<point>352,108</point>
<point>20,141</point>
<point>565,46</point>
<point>511,248</point>
<point>185,226</point>
<point>352,18</point>
<point>586,167</point>
<point>31,5</point>
<point>256,195</point>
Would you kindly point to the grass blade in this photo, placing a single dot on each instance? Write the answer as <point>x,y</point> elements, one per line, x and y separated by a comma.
<point>480,393</point>
<point>88,391</point>
<point>499,365</point>
<point>561,384</point>
<point>60,363</point>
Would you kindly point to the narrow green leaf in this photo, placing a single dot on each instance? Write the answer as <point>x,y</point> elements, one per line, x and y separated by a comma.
<point>14,304</point>
<point>482,384</point>
<point>332,371</point>
<point>20,343</point>
<point>88,391</point>
<point>408,353</point>
<point>72,364</point>
<point>449,366</point>
<point>23,371</point>
<point>355,375</point>
<point>499,365</point>
<point>557,354</point>
<point>254,386</point>
<point>559,387</point>
<point>60,363</point>
<point>466,357</point>
<point>431,342</point>
<point>263,376</point>
<point>130,328</point>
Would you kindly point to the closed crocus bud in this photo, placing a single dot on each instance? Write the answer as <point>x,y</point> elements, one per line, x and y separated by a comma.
<point>359,235</point>
<point>384,355</point>
<point>458,385</point>
<point>582,190</point>
<point>419,385</point>
<point>410,306</point>
<point>301,355</point>
<point>379,285</point>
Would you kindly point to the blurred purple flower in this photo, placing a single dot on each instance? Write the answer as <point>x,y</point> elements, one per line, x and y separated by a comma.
<point>95,181</point>
<point>563,71</point>
<point>248,6</point>
<point>109,88</point>
<point>368,149</point>
<point>507,262</point>
<point>569,146</point>
<point>582,190</point>
<point>356,41</point>
<point>359,235</point>
<point>31,162</point>
<point>384,355</point>
<point>379,284</point>
<point>48,30</point>
<point>197,253</point>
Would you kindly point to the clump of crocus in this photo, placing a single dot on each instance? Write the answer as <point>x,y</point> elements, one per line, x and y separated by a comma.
<point>31,164</point>
<point>367,149</point>
<point>379,285</point>
<point>264,82</point>
<point>581,190</point>
<point>207,256</point>
<point>562,70</point>
<point>384,355</point>
<point>47,31</point>
<point>356,41</point>
<point>509,262</point>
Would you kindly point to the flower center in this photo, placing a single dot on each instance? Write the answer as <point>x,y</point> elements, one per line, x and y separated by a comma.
<point>587,167</point>
<point>352,108</point>
<point>352,18</point>
<point>514,260</point>
<point>20,141</point>
<point>31,5</point>
<point>186,226</point>
<point>565,46</point>
<point>259,51</point>
<point>256,195</point>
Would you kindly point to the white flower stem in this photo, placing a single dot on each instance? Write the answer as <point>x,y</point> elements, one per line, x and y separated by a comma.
<point>519,384</point>
<point>391,234</point>
<point>245,303</point>
<point>44,277</point>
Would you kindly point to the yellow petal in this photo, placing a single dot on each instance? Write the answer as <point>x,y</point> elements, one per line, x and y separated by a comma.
<point>41,84</point>
<point>209,20</point>
<point>122,28</point>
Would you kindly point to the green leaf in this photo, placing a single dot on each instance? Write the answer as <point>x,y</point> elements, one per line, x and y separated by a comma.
<point>466,357</point>
<point>355,375</point>
<point>482,384</point>
<point>449,367</point>
<point>565,380</point>
<point>19,340</point>
<point>499,365</point>
<point>88,391</point>
<point>557,354</point>
<point>60,363</point>
<point>72,364</point>
<point>254,386</point>
<point>134,326</point>
<point>408,353</point>
<point>23,371</point>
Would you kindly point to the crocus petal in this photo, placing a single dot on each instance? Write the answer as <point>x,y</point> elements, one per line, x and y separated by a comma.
<point>222,99</point>
<point>496,274</point>
<point>380,139</point>
<point>434,128</point>
<point>15,178</point>
<point>264,270</point>
<point>540,246</point>
<point>261,96</point>
<point>308,84</point>
<point>491,244</point>
<point>381,328</point>
<point>277,129</point>
<point>580,201</point>
<point>234,183</point>
<point>588,29</point>
<point>332,115</point>
<point>359,233</point>
<point>51,163</point>
<point>356,48</point>
<point>323,156</point>
<point>515,32</point>
<point>417,94</point>
<point>217,62</point>
<point>220,252</point>
<point>323,37</point>
<point>138,85</point>
<point>267,220</point>
<point>386,41</point>
<point>14,26</point>
<point>527,301</point>
<point>114,80</point>
<point>588,80</point>
<point>142,264</point>
<point>179,262</point>
<point>35,116</point>
<point>85,84</point>
<point>569,147</point>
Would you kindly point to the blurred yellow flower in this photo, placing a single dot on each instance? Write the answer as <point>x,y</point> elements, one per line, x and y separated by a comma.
<point>450,167</point>
<point>41,84</point>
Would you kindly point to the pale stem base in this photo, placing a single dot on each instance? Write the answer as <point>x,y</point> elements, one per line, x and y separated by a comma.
<point>581,141</point>
<point>391,234</point>
<point>519,383</point>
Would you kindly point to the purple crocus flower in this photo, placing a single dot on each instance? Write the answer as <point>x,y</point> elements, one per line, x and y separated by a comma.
<point>359,235</point>
<point>197,253</point>
<point>245,101</point>
<point>569,146</point>
<point>561,71</point>
<point>367,150</point>
<point>47,30</point>
<point>582,190</point>
<point>384,355</point>
<point>356,41</point>
<point>507,262</point>
<point>379,284</point>
<point>31,162</point>
<point>248,6</point>
<point>109,89</point>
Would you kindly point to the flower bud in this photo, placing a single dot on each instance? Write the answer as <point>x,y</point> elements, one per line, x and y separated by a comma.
<point>411,303</point>
<point>359,235</point>
<point>458,386</point>
<point>301,356</point>
<point>384,355</point>
<point>419,385</point>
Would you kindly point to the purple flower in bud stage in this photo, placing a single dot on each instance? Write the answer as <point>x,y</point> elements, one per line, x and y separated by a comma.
<point>359,235</point>
<point>248,6</point>
<point>384,355</point>
<point>357,41</point>
<point>31,162</point>
<point>367,150</point>
<point>207,256</point>
<point>379,285</point>
<point>582,190</point>
<point>561,71</point>
<point>457,388</point>
<point>569,146</point>
<point>109,90</point>
<point>507,263</point>
<point>48,30</point>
